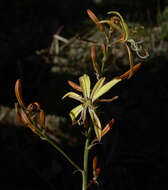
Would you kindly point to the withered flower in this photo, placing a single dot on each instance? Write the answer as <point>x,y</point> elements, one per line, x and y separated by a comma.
<point>32,115</point>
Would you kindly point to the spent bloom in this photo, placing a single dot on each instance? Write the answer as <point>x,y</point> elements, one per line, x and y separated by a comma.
<point>89,99</point>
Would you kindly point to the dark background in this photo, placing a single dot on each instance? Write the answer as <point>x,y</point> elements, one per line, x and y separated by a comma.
<point>134,155</point>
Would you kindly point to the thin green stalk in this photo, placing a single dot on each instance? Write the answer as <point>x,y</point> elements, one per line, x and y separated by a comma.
<point>85,161</point>
<point>41,134</point>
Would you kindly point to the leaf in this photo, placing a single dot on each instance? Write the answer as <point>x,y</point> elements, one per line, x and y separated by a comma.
<point>18,93</point>
<point>85,85</point>
<point>105,88</point>
<point>96,123</point>
<point>75,112</point>
<point>73,95</point>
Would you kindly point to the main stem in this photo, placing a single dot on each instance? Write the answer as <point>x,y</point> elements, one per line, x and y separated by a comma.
<point>85,162</point>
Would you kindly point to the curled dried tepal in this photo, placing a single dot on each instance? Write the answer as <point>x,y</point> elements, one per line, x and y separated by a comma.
<point>95,19</point>
<point>18,93</point>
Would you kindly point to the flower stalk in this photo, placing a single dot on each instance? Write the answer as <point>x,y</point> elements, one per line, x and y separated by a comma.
<point>85,160</point>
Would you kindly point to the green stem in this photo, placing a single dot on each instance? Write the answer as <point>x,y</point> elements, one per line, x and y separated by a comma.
<point>85,161</point>
<point>63,153</point>
<point>43,135</point>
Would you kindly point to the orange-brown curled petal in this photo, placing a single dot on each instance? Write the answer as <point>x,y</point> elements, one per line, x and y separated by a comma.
<point>27,121</point>
<point>18,93</point>
<point>95,19</point>
<point>97,172</point>
<point>74,85</point>
<point>42,118</point>
<point>19,119</point>
<point>37,104</point>
<point>108,127</point>
<point>95,161</point>
<point>127,73</point>
<point>93,56</point>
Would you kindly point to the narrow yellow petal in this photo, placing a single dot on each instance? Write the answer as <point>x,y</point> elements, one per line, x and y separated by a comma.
<point>85,85</point>
<point>113,25</point>
<point>96,123</point>
<point>123,24</point>
<point>73,95</point>
<point>75,112</point>
<point>105,88</point>
<point>97,86</point>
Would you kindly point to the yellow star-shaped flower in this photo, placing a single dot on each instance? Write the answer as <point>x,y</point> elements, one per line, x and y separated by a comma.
<point>88,99</point>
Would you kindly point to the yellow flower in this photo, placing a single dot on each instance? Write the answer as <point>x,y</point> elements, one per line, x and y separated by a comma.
<point>88,100</point>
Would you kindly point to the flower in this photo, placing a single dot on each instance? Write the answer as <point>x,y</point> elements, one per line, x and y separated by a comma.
<point>89,99</point>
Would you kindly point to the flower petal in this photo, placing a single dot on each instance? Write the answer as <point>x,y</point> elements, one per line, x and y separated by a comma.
<point>95,19</point>
<point>96,123</point>
<point>97,86</point>
<point>75,86</point>
<point>105,88</point>
<point>112,25</point>
<point>127,73</point>
<point>18,93</point>
<point>75,112</point>
<point>73,95</point>
<point>123,24</point>
<point>85,85</point>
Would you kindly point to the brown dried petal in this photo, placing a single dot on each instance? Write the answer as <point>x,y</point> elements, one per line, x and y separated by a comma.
<point>42,118</point>
<point>127,73</point>
<point>18,93</point>
<point>20,121</point>
<point>108,127</point>
<point>75,86</point>
<point>95,19</point>
<point>93,56</point>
